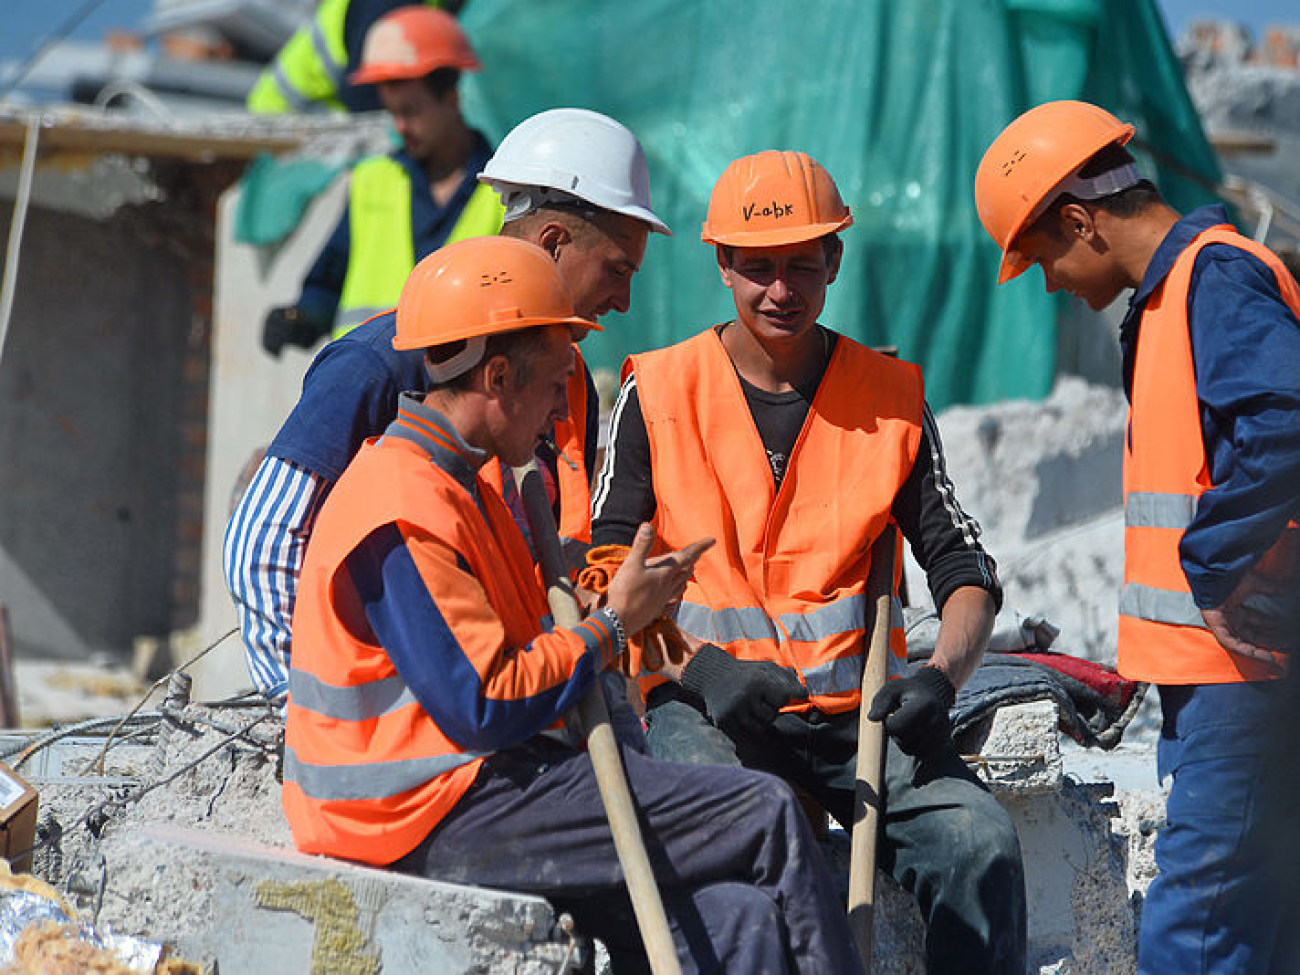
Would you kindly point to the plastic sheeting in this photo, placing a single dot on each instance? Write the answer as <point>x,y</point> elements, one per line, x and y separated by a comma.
<point>897,98</point>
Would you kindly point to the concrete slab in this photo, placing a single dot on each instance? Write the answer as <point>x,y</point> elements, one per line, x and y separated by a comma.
<point>251,908</point>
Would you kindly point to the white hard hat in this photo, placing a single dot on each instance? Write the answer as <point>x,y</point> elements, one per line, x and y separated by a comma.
<point>579,153</point>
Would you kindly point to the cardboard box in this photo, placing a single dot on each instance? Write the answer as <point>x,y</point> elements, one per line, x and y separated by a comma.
<point>18,803</point>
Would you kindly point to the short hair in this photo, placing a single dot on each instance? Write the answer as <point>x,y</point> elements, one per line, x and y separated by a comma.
<point>1128,202</point>
<point>439,81</point>
<point>586,222</point>
<point>520,346</point>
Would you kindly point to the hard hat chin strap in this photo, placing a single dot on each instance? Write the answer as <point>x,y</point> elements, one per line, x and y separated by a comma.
<point>1105,184</point>
<point>522,200</point>
<point>1090,187</point>
<point>459,364</point>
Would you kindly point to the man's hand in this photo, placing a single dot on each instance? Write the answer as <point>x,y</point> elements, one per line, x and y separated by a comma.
<point>1259,619</point>
<point>742,696</point>
<point>915,710</point>
<point>644,586</point>
<point>289,326</point>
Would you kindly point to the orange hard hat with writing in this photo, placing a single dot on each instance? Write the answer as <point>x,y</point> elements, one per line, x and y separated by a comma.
<point>1023,169</point>
<point>479,287</point>
<point>411,42</point>
<point>773,198</point>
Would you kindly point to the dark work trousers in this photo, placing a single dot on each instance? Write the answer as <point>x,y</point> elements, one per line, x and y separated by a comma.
<point>745,886</point>
<point>1211,907</point>
<point>945,838</point>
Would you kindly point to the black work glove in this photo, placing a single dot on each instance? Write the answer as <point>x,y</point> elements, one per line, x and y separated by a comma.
<point>289,326</point>
<point>915,710</point>
<point>742,696</point>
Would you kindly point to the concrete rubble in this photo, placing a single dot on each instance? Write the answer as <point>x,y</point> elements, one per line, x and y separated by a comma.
<point>202,861</point>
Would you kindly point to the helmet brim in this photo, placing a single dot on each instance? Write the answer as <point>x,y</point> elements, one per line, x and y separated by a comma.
<point>495,328</point>
<point>776,238</point>
<point>376,73</point>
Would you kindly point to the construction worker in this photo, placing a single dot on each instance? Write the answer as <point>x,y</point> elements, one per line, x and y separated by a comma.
<point>795,447</point>
<point>408,203</point>
<point>1211,357</point>
<point>427,695</point>
<point>575,183</point>
<point>310,71</point>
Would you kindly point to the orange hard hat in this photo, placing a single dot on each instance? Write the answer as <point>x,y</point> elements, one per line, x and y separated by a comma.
<point>1025,167</point>
<point>773,198</point>
<point>411,42</point>
<point>478,287</point>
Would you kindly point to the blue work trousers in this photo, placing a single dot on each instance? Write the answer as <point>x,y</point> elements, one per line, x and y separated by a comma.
<point>744,883</point>
<point>1213,906</point>
<point>945,838</point>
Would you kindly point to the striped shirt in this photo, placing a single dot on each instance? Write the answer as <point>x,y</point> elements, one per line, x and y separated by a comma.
<point>262,558</point>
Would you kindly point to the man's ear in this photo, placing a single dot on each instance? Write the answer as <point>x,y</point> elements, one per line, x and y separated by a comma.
<point>724,264</point>
<point>1077,221</point>
<point>496,375</point>
<point>552,237</point>
<point>833,261</point>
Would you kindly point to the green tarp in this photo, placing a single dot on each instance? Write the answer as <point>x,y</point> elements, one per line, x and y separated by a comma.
<point>897,98</point>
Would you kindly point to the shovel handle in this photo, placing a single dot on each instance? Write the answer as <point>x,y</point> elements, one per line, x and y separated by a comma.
<point>601,744</point>
<point>868,805</point>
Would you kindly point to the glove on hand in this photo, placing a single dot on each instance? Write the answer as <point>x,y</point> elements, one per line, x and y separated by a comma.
<point>659,643</point>
<point>742,696</point>
<point>915,710</point>
<point>289,326</point>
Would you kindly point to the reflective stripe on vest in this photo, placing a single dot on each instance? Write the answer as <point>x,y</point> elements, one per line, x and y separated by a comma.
<point>377,780</point>
<point>1163,637</point>
<point>840,676</point>
<point>381,251</point>
<point>308,71</point>
<point>361,702</point>
<point>786,580</point>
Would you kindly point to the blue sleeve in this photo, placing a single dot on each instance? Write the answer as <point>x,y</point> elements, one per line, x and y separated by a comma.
<point>348,394</point>
<point>419,639</point>
<point>323,285</point>
<point>1246,347</point>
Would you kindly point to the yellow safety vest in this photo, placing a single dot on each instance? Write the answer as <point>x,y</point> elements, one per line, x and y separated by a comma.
<point>382,252</point>
<point>309,70</point>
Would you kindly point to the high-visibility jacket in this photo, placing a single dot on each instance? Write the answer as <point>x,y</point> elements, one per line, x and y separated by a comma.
<point>381,249</point>
<point>571,437</point>
<point>310,69</point>
<point>786,579</point>
<point>367,772</point>
<point>1162,635</point>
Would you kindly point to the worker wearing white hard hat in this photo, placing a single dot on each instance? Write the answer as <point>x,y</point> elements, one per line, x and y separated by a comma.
<point>595,232</point>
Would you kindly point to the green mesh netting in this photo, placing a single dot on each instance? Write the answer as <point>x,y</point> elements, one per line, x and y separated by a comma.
<point>897,98</point>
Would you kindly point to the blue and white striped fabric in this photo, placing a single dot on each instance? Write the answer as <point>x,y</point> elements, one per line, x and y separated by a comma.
<point>262,558</point>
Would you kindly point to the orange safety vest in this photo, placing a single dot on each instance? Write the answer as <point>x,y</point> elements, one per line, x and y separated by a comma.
<point>571,437</point>
<point>786,579</point>
<point>1162,636</point>
<point>367,772</point>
